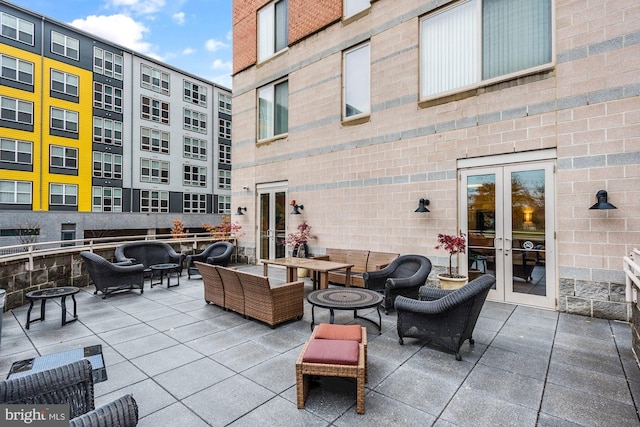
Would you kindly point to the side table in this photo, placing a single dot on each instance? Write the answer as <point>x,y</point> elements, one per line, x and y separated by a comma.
<point>44,294</point>
<point>163,269</point>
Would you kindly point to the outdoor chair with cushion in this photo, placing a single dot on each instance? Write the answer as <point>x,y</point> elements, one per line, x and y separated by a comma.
<point>70,384</point>
<point>218,253</point>
<point>444,317</point>
<point>109,277</point>
<point>403,276</point>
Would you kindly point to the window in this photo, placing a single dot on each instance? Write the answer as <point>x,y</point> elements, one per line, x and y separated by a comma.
<point>482,40</point>
<point>357,82</point>
<point>107,63</point>
<point>195,121</point>
<point>224,103</point>
<point>225,154</point>
<point>64,83</point>
<point>273,29</point>
<point>17,29</point>
<point>225,129</point>
<point>194,176</point>
<point>63,157</point>
<point>107,97</point>
<point>154,171</point>
<point>65,120</point>
<point>106,199</point>
<point>15,192</point>
<point>273,110</point>
<point>16,110</point>
<point>154,110</point>
<point>154,79</point>
<point>154,201</point>
<point>224,179</point>
<point>194,203</point>
<point>16,151</point>
<point>351,7</point>
<point>63,195</point>
<point>17,70</point>
<point>65,45</point>
<point>68,232</point>
<point>154,140</point>
<point>224,204</point>
<point>195,148</point>
<point>194,93</point>
<point>107,131</point>
<point>107,165</point>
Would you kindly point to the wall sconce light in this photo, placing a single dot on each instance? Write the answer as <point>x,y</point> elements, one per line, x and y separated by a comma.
<point>295,210</point>
<point>239,211</point>
<point>601,197</point>
<point>422,205</point>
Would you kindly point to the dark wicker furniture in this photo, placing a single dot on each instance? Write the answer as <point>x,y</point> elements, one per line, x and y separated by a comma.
<point>445,318</point>
<point>148,253</point>
<point>403,276</point>
<point>219,253</point>
<point>109,277</point>
<point>48,293</point>
<point>345,299</point>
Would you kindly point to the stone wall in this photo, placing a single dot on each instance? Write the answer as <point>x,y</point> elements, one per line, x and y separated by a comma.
<point>605,300</point>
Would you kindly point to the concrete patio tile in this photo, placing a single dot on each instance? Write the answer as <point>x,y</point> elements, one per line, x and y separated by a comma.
<point>497,310</point>
<point>173,415</point>
<point>120,375</point>
<point>193,377</point>
<point>216,342</point>
<point>591,358</point>
<point>149,396</point>
<point>193,331</point>
<point>11,346</point>
<point>381,410</point>
<point>243,356</point>
<point>329,397</point>
<point>145,345</point>
<point>523,310</point>
<point>191,305</point>
<point>583,326</point>
<point>7,361</point>
<point>157,312</point>
<point>283,338</point>
<point>504,385</point>
<point>208,311</point>
<point>519,320</point>
<point>172,322</point>
<point>163,360</point>
<point>276,374</point>
<point>546,420</point>
<point>50,332</point>
<point>278,412</point>
<point>523,364</point>
<point>104,323</point>
<point>127,333</point>
<point>172,298</point>
<point>519,343</point>
<point>629,364</point>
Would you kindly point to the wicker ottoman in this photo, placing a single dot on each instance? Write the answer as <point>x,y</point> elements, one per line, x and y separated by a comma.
<point>329,331</point>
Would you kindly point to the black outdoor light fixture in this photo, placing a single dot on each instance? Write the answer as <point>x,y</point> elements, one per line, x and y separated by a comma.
<point>422,205</point>
<point>239,211</point>
<point>601,197</point>
<point>295,210</point>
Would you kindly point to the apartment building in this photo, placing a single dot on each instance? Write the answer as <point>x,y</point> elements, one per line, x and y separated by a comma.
<point>394,121</point>
<point>99,139</point>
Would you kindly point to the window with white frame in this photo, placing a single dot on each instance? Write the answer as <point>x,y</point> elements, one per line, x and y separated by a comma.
<point>357,81</point>
<point>107,97</point>
<point>155,79</point>
<point>16,110</point>
<point>351,7</point>
<point>273,29</point>
<point>65,120</point>
<point>478,41</point>
<point>273,110</point>
<point>224,103</point>
<point>194,203</point>
<point>225,154</point>
<point>64,82</point>
<point>224,179</point>
<point>107,63</point>
<point>17,29</point>
<point>224,129</point>
<point>195,93</point>
<point>16,151</point>
<point>154,140</point>
<point>194,176</point>
<point>63,194</point>
<point>154,171</point>
<point>107,131</point>
<point>17,69</point>
<point>65,45</point>
<point>63,157</point>
<point>195,121</point>
<point>106,199</point>
<point>107,165</point>
<point>224,204</point>
<point>154,201</point>
<point>194,148</point>
<point>154,110</point>
<point>15,192</point>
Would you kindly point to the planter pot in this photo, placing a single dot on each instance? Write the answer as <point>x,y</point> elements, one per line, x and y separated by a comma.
<point>452,282</point>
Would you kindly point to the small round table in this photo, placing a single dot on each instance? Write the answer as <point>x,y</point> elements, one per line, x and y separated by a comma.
<point>44,294</point>
<point>346,299</point>
<point>167,268</point>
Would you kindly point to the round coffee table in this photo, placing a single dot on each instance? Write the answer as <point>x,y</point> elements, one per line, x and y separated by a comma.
<point>48,293</point>
<point>167,269</point>
<point>346,299</point>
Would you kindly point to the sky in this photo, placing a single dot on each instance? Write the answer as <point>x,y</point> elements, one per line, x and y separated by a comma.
<point>192,35</point>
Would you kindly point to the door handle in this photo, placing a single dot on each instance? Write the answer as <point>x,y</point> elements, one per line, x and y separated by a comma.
<point>495,243</point>
<point>507,247</point>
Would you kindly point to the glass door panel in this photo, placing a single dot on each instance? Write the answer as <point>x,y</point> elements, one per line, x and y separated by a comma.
<point>272,222</point>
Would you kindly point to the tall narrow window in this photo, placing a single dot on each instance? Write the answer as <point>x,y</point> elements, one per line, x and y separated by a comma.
<point>273,29</point>
<point>273,110</point>
<point>357,81</point>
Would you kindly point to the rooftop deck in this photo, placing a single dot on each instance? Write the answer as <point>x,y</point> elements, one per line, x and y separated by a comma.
<point>192,364</point>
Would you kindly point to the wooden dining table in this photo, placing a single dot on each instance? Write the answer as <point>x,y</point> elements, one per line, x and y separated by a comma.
<point>321,267</point>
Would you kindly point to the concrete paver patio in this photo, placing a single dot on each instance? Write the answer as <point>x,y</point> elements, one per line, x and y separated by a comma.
<point>192,364</point>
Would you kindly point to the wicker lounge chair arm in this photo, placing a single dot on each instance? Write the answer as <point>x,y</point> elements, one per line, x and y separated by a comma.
<point>426,293</point>
<point>399,282</point>
<point>375,279</point>
<point>122,412</point>
<point>288,290</point>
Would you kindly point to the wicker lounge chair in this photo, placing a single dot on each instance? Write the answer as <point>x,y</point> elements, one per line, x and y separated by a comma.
<point>109,277</point>
<point>71,384</point>
<point>218,253</point>
<point>442,317</point>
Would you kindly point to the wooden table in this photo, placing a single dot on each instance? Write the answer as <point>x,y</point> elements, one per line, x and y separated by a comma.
<point>319,266</point>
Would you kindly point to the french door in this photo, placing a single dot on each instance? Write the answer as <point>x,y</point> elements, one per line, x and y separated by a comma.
<point>272,205</point>
<point>507,213</point>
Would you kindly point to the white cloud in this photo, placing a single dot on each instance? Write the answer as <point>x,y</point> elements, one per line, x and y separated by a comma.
<point>143,7</point>
<point>119,29</point>
<point>213,45</point>
<point>178,17</point>
<point>221,65</point>
<point>188,51</point>
<point>229,35</point>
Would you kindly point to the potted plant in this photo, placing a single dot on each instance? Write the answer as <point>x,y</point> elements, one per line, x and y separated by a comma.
<point>454,244</point>
<point>298,242</point>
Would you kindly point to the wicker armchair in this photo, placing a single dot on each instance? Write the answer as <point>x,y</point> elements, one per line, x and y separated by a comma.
<point>442,317</point>
<point>218,253</point>
<point>109,277</point>
<point>71,384</point>
<point>403,276</point>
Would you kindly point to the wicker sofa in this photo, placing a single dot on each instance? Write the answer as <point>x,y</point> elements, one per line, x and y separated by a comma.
<point>148,253</point>
<point>362,261</point>
<point>252,295</point>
